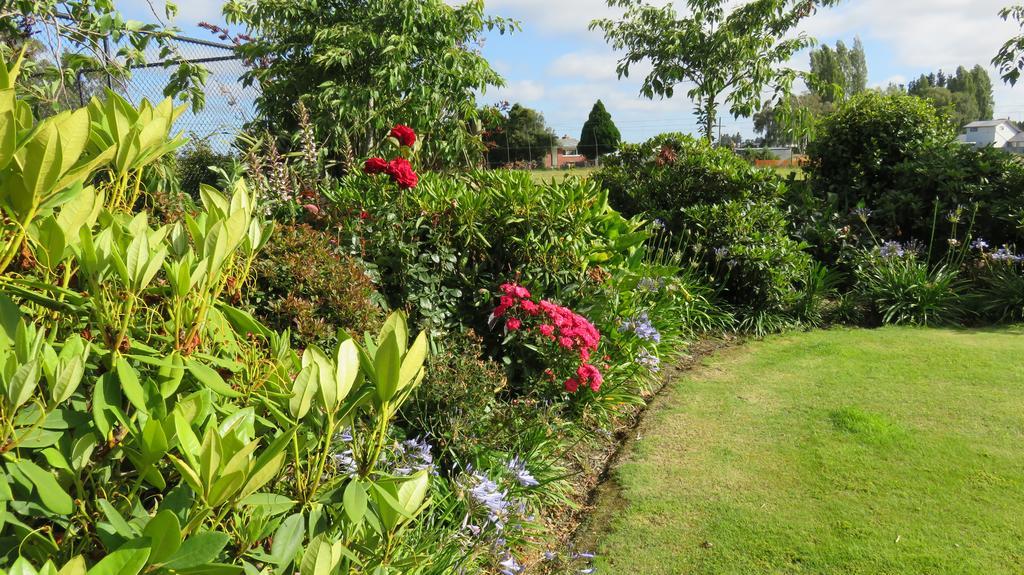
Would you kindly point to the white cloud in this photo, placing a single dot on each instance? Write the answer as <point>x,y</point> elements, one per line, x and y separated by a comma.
<point>898,80</point>
<point>927,35</point>
<point>921,33</point>
<point>561,16</point>
<point>518,91</point>
<point>585,65</point>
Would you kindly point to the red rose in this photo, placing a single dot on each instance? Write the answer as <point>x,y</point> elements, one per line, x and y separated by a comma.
<point>401,172</point>
<point>404,135</point>
<point>375,166</point>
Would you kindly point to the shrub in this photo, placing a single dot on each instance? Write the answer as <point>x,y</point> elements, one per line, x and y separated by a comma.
<point>896,156</point>
<point>999,281</point>
<point>987,182</point>
<point>458,399</point>
<point>745,248</point>
<point>196,165</point>
<point>441,247</point>
<point>859,148</point>
<point>150,425</point>
<point>900,288</point>
<point>304,284</point>
<point>668,173</point>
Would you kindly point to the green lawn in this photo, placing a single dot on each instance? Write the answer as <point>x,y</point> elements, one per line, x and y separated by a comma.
<point>543,176</point>
<point>894,451</point>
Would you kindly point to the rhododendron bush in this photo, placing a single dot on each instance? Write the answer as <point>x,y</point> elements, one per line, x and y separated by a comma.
<point>566,340</point>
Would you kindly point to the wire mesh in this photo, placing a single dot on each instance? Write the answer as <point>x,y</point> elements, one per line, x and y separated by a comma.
<point>229,104</point>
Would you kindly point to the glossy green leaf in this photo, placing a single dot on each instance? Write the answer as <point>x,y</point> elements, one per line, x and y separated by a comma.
<point>287,541</point>
<point>355,501</point>
<point>386,365</point>
<point>164,532</point>
<point>347,368</point>
<point>51,494</point>
<point>130,385</point>
<point>303,391</point>
<point>269,463</point>
<point>128,559</point>
<point>199,549</point>
<point>413,361</point>
<point>211,379</point>
<point>116,520</point>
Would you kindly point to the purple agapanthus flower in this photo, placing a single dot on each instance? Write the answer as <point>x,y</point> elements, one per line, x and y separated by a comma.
<point>891,249</point>
<point>643,328</point>
<point>522,474</point>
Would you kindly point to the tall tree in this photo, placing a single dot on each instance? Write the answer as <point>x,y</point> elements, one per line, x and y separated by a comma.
<point>983,93</point>
<point>858,75</point>
<point>599,136</point>
<point>965,96</point>
<point>361,67</point>
<point>519,135</point>
<point>1010,59</point>
<point>732,56</point>
<point>839,73</point>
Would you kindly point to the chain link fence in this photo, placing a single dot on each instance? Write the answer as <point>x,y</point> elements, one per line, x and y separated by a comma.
<point>213,130</point>
<point>229,104</point>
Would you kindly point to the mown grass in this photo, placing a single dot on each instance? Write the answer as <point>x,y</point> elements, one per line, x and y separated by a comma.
<point>556,176</point>
<point>893,451</point>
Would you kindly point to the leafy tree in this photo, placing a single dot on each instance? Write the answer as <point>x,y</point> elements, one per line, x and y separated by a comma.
<point>599,135</point>
<point>965,96</point>
<point>777,123</point>
<point>730,55</point>
<point>362,66</point>
<point>839,72</point>
<point>520,135</point>
<point>66,49</point>
<point>731,141</point>
<point>1010,59</point>
<point>983,93</point>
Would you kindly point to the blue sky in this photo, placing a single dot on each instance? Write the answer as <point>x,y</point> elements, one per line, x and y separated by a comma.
<point>558,67</point>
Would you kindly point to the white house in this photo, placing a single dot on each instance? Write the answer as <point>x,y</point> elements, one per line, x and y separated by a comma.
<point>1016,143</point>
<point>995,133</point>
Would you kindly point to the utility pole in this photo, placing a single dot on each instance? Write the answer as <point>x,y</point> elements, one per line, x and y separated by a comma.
<point>597,152</point>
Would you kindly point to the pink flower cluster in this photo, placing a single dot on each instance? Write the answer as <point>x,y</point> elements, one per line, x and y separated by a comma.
<point>566,330</point>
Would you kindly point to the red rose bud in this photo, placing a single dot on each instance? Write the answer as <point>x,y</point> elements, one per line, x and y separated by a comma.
<point>364,215</point>
<point>375,166</point>
<point>404,134</point>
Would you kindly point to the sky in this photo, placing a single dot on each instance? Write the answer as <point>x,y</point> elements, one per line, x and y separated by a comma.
<point>560,68</point>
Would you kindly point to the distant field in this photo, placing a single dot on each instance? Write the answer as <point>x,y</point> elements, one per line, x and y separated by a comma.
<point>560,175</point>
<point>785,172</point>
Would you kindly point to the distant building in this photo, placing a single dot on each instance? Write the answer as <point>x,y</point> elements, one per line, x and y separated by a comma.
<point>1016,143</point>
<point>777,153</point>
<point>995,133</point>
<point>565,153</point>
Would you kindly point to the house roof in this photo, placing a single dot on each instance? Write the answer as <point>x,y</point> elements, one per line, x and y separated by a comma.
<point>1018,137</point>
<point>988,123</point>
<point>568,142</point>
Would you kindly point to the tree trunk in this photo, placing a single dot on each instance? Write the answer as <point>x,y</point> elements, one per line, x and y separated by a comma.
<point>709,126</point>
